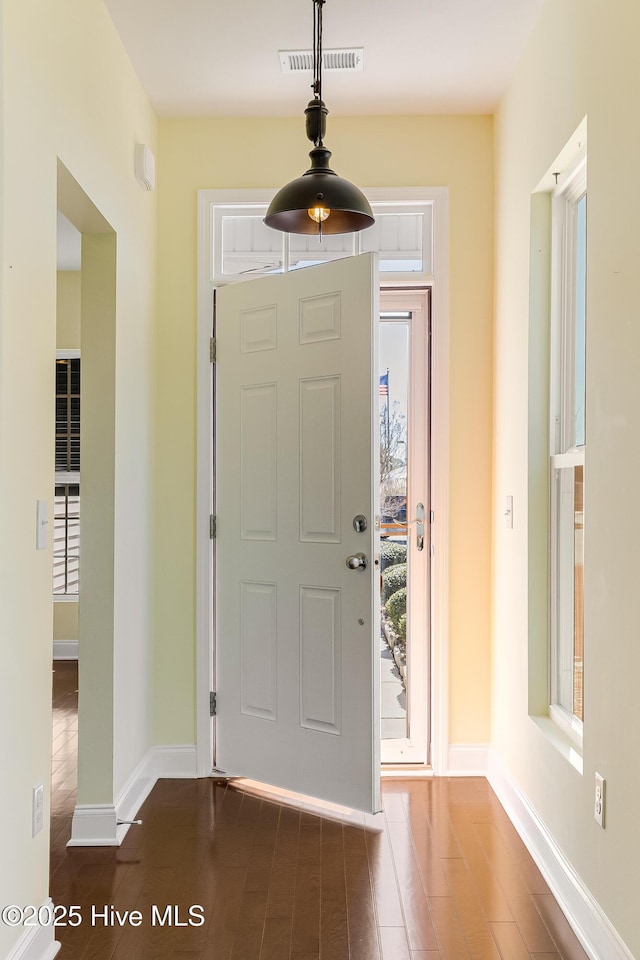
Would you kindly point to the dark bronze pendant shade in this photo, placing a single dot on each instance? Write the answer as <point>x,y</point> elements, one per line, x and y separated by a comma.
<point>319,202</point>
<point>322,191</point>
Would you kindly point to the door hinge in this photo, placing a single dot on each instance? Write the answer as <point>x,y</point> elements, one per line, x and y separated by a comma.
<point>212,350</point>
<point>432,516</point>
<point>212,527</point>
<point>212,704</point>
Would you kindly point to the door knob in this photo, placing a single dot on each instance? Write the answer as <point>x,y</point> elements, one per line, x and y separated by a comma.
<point>357,562</point>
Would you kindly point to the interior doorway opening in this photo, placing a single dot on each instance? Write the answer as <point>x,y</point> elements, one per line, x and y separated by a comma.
<point>405,513</point>
<point>66,534</point>
<point>91,497</point>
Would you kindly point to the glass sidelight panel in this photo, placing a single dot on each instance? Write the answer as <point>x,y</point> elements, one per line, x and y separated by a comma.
<point>404,525</point>
<point>394,555</point>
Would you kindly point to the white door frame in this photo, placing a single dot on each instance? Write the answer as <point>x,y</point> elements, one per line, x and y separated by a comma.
<point>439,281</point>
<point>416,303</point>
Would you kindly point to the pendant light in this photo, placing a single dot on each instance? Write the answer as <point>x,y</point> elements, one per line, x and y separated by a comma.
<point>319,202</point>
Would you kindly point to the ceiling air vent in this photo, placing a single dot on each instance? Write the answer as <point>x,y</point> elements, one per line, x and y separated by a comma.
<point>348,59</point>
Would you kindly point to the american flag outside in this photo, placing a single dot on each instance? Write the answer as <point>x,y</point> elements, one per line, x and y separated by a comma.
<point>384,384</point>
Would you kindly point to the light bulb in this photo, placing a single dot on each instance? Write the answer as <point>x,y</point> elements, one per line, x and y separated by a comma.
<point>319,214</point>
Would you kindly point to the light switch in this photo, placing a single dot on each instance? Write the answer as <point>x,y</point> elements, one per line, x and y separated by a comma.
<point>42,521</point>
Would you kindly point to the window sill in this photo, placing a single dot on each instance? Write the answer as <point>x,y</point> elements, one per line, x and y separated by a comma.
<point>65,598</point>
<point>565,745</point>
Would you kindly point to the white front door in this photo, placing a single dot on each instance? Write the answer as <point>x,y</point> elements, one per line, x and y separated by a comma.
<point>297,448</point>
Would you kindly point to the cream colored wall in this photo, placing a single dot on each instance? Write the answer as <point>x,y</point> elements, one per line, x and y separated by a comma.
<point>69,92</point>
<point>65,615</point>
<point>382,151</point>
<point>68,310</point>
<point>98,704</point>
<point>65,621</point>
<point>581,61</point>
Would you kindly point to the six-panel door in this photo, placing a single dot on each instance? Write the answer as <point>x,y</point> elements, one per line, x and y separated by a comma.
<point>297,658</point>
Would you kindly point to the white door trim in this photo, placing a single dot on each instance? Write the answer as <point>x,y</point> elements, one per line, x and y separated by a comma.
<point>204,492</point>
<point>416,303</point>
<point>439,674</point>
<point>439,196</point>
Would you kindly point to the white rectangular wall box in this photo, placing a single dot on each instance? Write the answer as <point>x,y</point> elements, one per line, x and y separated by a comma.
<point>145,166</point>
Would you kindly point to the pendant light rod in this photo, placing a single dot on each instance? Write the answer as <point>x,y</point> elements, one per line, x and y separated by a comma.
<point>317,55</point>
<point>316,111</point>
<point>319,202</point>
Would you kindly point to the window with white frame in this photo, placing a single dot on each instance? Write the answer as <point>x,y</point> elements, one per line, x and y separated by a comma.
<point>244,247</point>
<point>66,513</point>
<point>568,442</point>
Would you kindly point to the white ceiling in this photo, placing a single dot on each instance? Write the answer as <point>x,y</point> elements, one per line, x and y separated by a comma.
<point>220,57</point>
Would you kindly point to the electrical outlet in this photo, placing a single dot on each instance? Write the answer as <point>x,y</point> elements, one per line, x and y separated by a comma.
<point>37,809</point>
<point>598,809</point>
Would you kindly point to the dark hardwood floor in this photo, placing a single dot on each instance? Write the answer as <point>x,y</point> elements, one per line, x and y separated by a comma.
<point>441,875</point>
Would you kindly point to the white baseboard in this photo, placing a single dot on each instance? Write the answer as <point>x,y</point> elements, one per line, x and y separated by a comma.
<point>177,762</point>
<point>159,763</point>
<point>94,825</point>
<point>97,825</point>
<point>467,759</point>
<point>590,924</point>
<point>135,792</point>
<point>36,943</point>
<point>65,649</point>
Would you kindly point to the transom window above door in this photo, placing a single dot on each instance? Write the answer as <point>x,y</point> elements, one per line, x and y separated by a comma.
<point>244,247</point>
